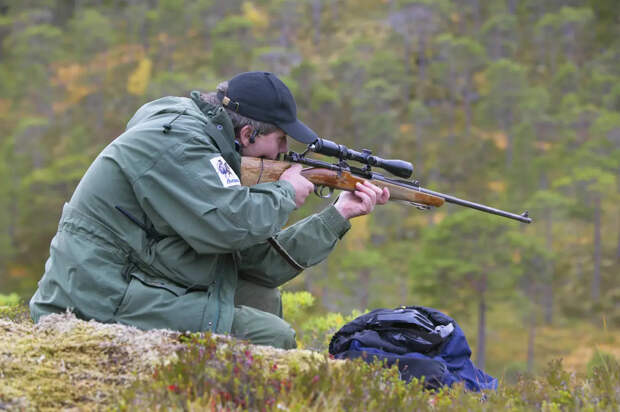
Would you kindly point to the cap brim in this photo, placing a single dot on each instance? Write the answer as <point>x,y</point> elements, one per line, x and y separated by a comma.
<point>299,131</point>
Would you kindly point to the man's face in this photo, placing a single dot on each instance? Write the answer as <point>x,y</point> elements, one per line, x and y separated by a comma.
<point>266,145</point>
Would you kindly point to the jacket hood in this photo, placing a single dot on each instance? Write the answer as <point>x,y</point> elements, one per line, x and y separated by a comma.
<point>169,104</point>
<point>215,122</point>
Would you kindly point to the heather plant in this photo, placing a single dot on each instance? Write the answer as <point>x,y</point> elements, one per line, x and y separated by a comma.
<point>235,376</point>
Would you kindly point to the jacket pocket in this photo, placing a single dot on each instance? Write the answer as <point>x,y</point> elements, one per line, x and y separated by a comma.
<point>157,283</point>
<point>155,303</point>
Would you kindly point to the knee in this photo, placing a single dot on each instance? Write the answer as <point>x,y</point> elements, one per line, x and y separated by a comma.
<point>281,334</point>
<point>285,338</point>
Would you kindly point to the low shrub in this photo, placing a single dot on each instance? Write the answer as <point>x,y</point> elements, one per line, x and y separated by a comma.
<point>599,359</point>
<point>233,376</point>
<point>9,300</point>
<point>313,331</point>
<point>12,307</point>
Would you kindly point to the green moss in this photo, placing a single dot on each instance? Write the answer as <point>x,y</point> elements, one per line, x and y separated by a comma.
<point>64,362</point>
<point>11,308</point>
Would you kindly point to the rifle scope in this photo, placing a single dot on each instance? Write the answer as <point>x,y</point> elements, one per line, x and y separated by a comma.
<point>326,147</point>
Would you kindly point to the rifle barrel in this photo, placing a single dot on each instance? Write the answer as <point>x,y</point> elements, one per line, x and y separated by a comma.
<point>451,199</point>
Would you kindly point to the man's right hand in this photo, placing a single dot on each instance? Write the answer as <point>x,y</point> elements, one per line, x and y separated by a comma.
<point>302,186</point>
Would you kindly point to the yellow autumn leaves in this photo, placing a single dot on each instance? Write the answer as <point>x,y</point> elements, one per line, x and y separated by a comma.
<point>139,79</point>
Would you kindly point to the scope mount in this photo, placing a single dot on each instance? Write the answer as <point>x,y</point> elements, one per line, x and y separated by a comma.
<point>326,147</point>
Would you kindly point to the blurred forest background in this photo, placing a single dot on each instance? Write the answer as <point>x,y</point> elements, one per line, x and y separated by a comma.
<point>513,103</point>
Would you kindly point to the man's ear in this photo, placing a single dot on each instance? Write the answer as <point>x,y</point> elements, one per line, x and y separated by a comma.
<point>244,135</point>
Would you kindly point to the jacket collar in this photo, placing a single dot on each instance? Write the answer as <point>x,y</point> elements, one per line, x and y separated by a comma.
<point>225,139</point>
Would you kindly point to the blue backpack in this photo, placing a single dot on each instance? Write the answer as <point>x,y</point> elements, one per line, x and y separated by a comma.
<point>422,341</point>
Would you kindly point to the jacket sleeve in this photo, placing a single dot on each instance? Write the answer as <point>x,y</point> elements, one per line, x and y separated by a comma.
<point>307,242</point>
<point>183,193</point>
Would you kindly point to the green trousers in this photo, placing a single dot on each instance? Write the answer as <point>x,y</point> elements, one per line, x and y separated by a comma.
<point>258,317</point>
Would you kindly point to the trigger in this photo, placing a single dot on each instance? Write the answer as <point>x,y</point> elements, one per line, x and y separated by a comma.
<point>319,190</point>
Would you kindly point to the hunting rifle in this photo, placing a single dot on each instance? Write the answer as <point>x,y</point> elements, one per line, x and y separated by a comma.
<point>342,176</point>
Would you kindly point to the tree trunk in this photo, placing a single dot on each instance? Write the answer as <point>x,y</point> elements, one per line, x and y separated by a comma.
<point>531,335</point>
<point>408,70</point>
<point>550,269</point>
<point>531,339</point>
<point>467,98</point>
<point>285,32</point>
<point>596,278</point>
<point>482,326</point>
<point>11,232</point>
<point>512,6</point>
<point>547,298</point>
<point>63,12</point>
<point>404,291</point>
<point>618,246</point>
<point>452,104</point>
<point>477,18</point>
<point>421,61</point>
<point>506,125</point>
<point>364,287</point>
<point>316,20</point>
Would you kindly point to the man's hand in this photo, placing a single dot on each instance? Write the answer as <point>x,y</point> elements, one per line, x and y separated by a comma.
<point>302,186</point>
<point>362,201</point>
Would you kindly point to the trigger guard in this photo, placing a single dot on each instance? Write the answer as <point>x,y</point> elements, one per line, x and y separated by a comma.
<point>320,191</point>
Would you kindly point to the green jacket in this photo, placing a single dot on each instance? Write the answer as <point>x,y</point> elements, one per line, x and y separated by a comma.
<point>158,229</point>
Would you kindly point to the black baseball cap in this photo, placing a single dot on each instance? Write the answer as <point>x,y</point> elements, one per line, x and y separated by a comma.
<point>262,96</point>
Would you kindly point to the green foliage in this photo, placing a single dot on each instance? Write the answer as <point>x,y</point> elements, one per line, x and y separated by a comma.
<point>612,100</point>
<point>9,300</point>
<point>208,375</point>
<point>507,82</point>
<point>91,32</point>
<point>235,377</point>
<point>296,306</point>
<point>232,45</point>
<point>603,361</point>
<point>317,331</point>
<point>566,80</point>
<point>313,331</point>
<point>12,308</point>
<point>450,266</point>
<point>499,33</point>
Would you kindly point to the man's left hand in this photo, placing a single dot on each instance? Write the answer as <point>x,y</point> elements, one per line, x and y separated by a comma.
<point>362,201</point>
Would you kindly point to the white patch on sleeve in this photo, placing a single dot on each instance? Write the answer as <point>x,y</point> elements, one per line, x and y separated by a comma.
<point>225,172</point>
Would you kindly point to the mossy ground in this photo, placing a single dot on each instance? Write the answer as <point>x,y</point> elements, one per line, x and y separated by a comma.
<point>63,362</point>
<point>66,363</point>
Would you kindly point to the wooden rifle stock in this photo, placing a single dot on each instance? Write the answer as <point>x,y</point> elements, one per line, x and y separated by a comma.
<point>255,170</point>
